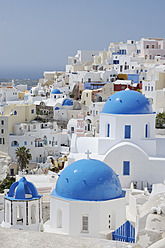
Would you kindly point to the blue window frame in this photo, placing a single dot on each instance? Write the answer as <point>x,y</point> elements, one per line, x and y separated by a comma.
<point>123,51</point>
<point>127,131</point>
<point>25,143</point>
<point>146,131</point>
<point>108,130</point>
<point>32,111</point>
<point>15,112</point>
<point>126,168</point>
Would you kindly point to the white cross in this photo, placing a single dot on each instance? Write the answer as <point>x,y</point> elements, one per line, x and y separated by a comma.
<point>87,153</point>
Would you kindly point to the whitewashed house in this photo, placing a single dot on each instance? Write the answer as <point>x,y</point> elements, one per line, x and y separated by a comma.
<point>43,139</point>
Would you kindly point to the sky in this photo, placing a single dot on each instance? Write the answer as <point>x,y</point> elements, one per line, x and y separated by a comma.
<point>43,33</point>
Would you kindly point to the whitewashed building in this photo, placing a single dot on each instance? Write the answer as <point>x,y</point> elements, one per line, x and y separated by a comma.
<point>126,141</point>
<point>87,201</point>
<point>43,139</point>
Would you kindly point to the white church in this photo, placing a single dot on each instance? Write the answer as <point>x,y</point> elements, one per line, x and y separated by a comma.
<point>126,141</point>
<point>88,200</point>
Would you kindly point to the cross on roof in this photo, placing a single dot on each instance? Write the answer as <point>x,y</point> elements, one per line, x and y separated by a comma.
<point>87,153</point>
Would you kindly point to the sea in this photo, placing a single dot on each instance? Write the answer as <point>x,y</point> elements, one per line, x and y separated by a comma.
<point>27,72</point>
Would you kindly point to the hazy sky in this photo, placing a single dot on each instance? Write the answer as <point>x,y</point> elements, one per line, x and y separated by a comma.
<point>45,32</point>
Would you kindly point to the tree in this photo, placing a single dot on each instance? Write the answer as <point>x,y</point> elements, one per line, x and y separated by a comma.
<point>160,120</point>
<point>23,156</point>
<point>6,183</point>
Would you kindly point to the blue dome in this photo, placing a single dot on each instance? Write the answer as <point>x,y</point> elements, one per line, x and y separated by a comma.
<point>22,190</point>
<point>127,102</point>
<point>88,180</point>
<point>56,91</point>
<point>67,102</point>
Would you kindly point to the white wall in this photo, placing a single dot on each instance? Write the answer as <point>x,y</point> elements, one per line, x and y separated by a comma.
<point>97,212</point>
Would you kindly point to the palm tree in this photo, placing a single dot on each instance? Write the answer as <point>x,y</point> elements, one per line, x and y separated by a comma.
<point>23,156</point>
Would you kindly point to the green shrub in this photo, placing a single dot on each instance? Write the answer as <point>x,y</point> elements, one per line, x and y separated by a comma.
<point>6,183</point>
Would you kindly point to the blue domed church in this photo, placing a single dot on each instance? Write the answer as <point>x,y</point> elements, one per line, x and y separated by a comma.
<point>127,141</point>
<point>88,200</point>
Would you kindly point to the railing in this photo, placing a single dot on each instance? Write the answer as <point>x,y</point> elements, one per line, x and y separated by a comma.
<point>125,233</point>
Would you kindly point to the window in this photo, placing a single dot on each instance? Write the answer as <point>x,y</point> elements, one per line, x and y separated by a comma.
<point>116,62</point>
<point>86,94</point>
<point>127,131</point>
<point>148,88</point>
<point>25,143</point>
<point>109,222</point>
<point>147,46</point>
<point>108,130</point>
<point>153,46</point>
<point>15,112</point>
<point>14,143</point>
<point>147,131</point>
<point>85,223</point>
<point>2,122</point>
<point>59,218</point>
<point>150,56</point>
<point>126,168</point>
<point>2,130</point>
<point>32,111</point>
<point>145,88</point>
<point>151,88</point>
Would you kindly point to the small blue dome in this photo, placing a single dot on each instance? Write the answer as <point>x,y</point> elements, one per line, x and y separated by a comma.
<point>67,102</point>
<point>88,180</point>
<point>57,108</point>
<point>22,190</point>
<point>127,102</point>
<point>56,91</point>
